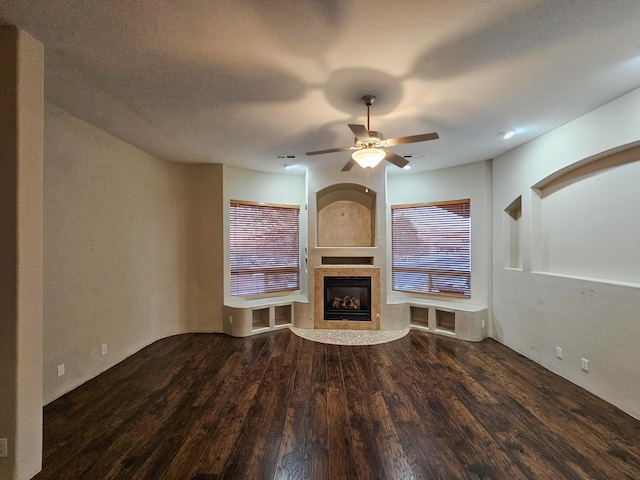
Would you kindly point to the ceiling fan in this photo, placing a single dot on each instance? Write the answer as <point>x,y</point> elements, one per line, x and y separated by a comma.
<point>368,150</point>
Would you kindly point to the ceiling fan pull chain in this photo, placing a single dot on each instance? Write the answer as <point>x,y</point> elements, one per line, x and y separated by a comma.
<point>366,179</point>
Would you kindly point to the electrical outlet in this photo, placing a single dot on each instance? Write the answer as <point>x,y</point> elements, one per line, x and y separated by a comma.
<point>104,349</point>
<point>558,352</point>
<point>230,320</point>
<point>585,364</point>
<point>4,447</point>
<point>483,323</point>
<point>60,370</point>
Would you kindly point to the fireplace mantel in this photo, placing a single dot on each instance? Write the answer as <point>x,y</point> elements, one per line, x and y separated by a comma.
<point>347,271</point>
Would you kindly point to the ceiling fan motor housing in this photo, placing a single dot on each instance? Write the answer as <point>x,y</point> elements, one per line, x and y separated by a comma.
<point>368,100</point>
<point>374,138</point>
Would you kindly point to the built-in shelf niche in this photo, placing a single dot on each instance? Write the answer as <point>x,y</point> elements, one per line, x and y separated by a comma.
<point>260,318</point>
<point>419,316</point>
<point>513,234</point>
<point>347,260</point>
<point>459,320</point>
<point>346,216</point>
<point>446,321</point>
<point>283,315</point>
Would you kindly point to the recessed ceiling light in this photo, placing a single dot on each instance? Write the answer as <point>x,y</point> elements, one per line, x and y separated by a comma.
<point>508,134</point>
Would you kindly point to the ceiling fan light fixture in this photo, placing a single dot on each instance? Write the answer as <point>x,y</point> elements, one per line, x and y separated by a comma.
<point>368,157</point>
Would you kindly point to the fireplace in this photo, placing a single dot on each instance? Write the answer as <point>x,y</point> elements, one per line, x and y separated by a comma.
<point>347,298</point>
<point>360,284</point>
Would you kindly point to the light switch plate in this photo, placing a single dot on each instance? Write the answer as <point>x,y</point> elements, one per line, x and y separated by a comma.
<point>585,364</point>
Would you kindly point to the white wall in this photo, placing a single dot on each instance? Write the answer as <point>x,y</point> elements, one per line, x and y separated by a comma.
<point>126,257</point>
<point>468,181</point>
<point>543,305</point>
<point>590,228</point>
<point>253,186</point>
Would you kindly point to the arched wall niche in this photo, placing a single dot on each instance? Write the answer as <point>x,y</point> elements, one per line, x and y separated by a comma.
<point>346,216</point>
<point>586,218</point>
<point>589,166</point>
<point>513,234</point>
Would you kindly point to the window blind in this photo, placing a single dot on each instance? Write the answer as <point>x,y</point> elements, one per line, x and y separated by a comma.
<point>264,248</point>
<point>431,248</point>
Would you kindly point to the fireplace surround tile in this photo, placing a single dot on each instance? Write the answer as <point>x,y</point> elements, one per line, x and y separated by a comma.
<point>321,272</point>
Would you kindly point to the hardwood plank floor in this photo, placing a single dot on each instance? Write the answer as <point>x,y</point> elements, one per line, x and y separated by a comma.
<point>275,406</point>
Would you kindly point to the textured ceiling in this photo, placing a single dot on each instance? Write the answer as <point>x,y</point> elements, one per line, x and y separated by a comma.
<point>240,81</point>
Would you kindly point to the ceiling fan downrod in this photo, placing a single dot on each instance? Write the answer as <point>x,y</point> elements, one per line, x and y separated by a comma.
<point>368,101</point>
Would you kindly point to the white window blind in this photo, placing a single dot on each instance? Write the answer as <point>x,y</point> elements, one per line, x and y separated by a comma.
<point>431,248</point>
<point>264,248</point>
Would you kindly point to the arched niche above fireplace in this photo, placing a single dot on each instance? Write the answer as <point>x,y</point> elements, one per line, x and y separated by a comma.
<point>346,216</point>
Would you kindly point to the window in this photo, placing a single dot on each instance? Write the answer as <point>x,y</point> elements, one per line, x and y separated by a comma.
<point>431,248</point>
<point>264,248</point>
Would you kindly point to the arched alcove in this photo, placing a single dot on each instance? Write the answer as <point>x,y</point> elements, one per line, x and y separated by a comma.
<point>587,218</point>
<point>346,216</point>
<point>513,234</point>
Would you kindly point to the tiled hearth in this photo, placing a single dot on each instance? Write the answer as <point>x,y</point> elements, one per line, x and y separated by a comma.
<point>350,337</point>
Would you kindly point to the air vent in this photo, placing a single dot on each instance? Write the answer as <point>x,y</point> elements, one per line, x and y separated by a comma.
<point>408,157</point>
<point>286,156</point>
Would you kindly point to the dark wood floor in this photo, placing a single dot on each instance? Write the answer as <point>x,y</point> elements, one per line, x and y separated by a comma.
<point>200,407</point>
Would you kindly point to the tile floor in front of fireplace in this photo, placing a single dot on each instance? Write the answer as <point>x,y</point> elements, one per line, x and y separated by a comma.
<point>349,337</point>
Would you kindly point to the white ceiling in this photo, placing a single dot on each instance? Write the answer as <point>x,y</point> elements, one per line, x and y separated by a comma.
<point>239,81</point>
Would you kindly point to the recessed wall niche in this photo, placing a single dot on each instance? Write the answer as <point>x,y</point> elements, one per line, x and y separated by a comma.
<point>346,216</point>
<point>513,234</point>
<point>587,218</point>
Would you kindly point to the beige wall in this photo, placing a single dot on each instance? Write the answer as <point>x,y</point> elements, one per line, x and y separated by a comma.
<point>205,254</point>
<point>132,250</point>
<point>21,103</point>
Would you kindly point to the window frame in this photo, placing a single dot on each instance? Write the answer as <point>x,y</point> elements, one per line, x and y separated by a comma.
<point>267,272</point>
<point>430,273</point>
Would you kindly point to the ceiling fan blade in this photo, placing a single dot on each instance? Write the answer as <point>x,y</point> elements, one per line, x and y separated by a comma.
<point>360,131</point>
<point>331,150</point>
<point>349,165</point>
<point>397,160</point>
<point>411,139</point>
